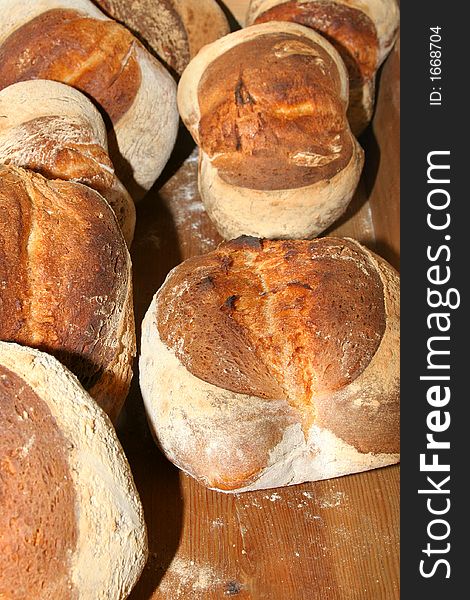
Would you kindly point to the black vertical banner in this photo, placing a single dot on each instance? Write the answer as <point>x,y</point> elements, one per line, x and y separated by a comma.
<point>435,267</point>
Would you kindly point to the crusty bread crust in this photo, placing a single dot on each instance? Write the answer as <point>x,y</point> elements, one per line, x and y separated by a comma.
<point>174,29</point>
<point>54,130</point>
<point>385,15</point>
<point>294,376</point>
<point>363,32</point>
<point>204,22</point>
<point>36,542</point>
<point>66,276</point>
<point>273,163</point>
<point>109,551</point>
<point>272,115</point>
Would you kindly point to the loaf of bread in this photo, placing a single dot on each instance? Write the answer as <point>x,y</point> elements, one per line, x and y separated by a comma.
<point>71,522</point>
<point>65,280</point>
<point>73,42</point>
<point>267,107</point>
<point>270,363</point>
<point>53,129</point>
<point>175,30</point>
<point>363,32</point>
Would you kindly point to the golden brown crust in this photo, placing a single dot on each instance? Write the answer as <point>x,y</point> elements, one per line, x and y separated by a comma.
<point>38,527</point>
<point>350,31</point>
<point>98,57</point>
<point>275,319</point>
<point>65,275</point>
<point>321,318</point>
<point>271,114</point>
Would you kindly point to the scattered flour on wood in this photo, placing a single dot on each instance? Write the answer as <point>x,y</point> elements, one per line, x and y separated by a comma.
<point>217,523</point>
<point>254,503</point>
<point>185,199</point>
<point>333,500</point>
<point>181,194</point>
<point>274,497</point>
<point>185,575</point>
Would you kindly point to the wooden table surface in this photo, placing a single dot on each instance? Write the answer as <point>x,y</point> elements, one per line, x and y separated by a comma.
<point>329,540</point>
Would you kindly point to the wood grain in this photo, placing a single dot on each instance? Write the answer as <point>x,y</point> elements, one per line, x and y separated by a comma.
<point>329,540</point>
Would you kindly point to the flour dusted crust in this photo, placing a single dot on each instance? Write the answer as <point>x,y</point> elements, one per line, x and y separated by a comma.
<point>273,163</point>
<point>174,29</point>
<point>73,42</point>
<point>98,520</point>
<point>363,31</point>
<point>66,284</point>
<point>55,130</point>
<point>282,371</point>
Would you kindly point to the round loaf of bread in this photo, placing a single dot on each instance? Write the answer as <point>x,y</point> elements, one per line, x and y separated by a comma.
<point>271,363</point>
<point>65,280</point>
<point>267,107</point>
<point>54,130</point>
<point>363,32</point>
<point>174,29</point>
<point>73,42</point>
<point>71,522</point>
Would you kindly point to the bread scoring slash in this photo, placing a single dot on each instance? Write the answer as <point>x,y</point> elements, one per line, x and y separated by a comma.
<point>270,363</point>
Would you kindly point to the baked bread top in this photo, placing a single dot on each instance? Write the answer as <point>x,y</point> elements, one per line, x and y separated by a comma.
<point>65,278</point>
<point>267,105</point>
<point>292,320</point>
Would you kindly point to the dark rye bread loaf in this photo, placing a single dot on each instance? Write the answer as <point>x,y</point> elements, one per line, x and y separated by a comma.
<point>71,522</point>
<point>54,130</point>
<point>65,280</point>
<point>267,107</point>
<point>363,32</point>
<point>268,363</point>
<point>174,29</point>
<point>73,42</point>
